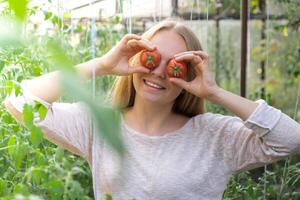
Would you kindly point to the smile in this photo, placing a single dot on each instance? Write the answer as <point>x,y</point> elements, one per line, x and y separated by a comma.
<point>153,85</point>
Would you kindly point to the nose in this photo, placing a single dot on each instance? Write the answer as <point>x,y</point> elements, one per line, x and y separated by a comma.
<point>160,70</point>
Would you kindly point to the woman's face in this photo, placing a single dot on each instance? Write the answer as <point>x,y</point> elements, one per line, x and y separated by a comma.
<point>155,86</point>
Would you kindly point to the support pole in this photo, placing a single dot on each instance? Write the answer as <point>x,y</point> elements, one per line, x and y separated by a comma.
<point>262,7</point>
<point>218,6</point>
<point>174,8</point>
<point>244,31</point>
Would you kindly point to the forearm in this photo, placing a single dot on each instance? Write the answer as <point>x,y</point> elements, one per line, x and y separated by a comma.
<point>238,105</point>
<point>48,86</point>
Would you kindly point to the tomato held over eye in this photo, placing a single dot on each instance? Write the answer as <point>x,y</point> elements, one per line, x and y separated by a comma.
<point>150,59</point>
<point>177,69</point>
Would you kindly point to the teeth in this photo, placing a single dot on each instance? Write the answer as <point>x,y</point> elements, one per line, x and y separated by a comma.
<point>153,85</point>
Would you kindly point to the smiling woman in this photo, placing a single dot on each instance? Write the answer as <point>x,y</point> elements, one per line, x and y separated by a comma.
<point>174,150</point>
<point>163,36</point>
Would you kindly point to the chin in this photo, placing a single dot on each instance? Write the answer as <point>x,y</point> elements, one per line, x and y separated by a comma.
<point>158,100</point>
<point>152,98</point>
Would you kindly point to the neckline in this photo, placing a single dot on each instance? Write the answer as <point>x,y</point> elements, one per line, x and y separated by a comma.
<point>155,137</point>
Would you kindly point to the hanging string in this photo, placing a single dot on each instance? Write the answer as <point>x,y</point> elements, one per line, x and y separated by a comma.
<point>297,101</point>
<point>267,66</point>
<point>198,11</point>
<point>207,7</point>
<point>93,38</point>
<point>61,29</point>
<point>198,8</point>
<point>192,10</point>
<point>160,10</point>
<point>93,55</point>
<point>93,52</point>
<point>129,24</point>
<point>154,12</point>
<point>60,14</point>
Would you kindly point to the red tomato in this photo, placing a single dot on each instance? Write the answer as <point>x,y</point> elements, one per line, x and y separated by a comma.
<point>176,69</point>
<point>150,59</point>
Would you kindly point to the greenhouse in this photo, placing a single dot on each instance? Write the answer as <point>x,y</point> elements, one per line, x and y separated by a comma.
<point>136,99</point>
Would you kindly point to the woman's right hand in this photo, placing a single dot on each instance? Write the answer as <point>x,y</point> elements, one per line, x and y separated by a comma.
<point>115,62</point>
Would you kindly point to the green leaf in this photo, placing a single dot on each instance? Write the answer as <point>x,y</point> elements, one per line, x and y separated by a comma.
<point>58,57</point>
<point>3,187</point>
<point>284,31</point>
<point>59,154</point>
<point>41,109</point>
<point>36,71</point>
<point>21,189</point>
<point>36,136</point>
<point>28,116</point>
<point>1,65</point>
<point>48,15</point>
<point>108,197</point>
<point>56,20</point>
<point>75,190</point>
<point>67,15</point>
<point>55,188</point>
<point>19,7</point>
<point>40,158</point>
<point>108,125</point>
<point>11,33</point>
<point>117,19</point>
<point>20,153</point>
<point>11,142</point>
<point>38,175</point>
<point>107,120</point>
<point>9,86</point>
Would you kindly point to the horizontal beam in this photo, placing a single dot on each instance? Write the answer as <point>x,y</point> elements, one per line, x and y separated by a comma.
<point>185,16</point>
<point>223,16</point>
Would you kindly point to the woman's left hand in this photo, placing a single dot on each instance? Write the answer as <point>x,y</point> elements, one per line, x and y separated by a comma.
<point>204,84</point>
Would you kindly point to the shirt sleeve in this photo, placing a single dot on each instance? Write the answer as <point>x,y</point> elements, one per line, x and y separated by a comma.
<point>266,136</point>
<point>66,124</point>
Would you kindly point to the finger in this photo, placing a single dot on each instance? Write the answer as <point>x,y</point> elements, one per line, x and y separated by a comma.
<point>196,61</point>
<point>190,57</point>
<point>141,44</point>
<point>181,83</point>
<point>205,59</point>
<point>128,37</point>
<point>202,54</point>
<point>183,53</point>
<point>138,69</point>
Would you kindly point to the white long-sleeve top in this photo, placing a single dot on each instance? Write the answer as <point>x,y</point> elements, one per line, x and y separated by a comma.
<point>193,162</point>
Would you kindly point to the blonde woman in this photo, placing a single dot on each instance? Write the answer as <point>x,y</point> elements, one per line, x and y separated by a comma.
<point>174,149</point>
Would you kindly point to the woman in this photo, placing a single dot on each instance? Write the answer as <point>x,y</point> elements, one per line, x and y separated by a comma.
<point>173,149</point>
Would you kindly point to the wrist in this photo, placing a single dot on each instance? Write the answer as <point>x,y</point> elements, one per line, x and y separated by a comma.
<point>215,95</point>
<point>86,69</point>
<point>99,69</point>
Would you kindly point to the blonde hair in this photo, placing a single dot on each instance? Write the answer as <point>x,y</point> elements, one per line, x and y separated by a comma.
<point>123,92</point>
